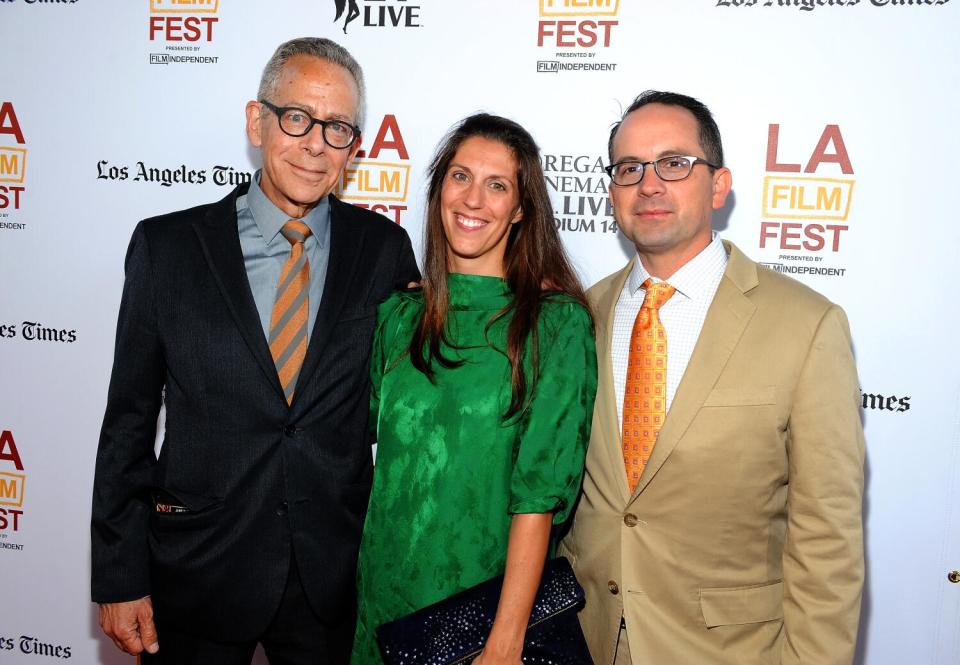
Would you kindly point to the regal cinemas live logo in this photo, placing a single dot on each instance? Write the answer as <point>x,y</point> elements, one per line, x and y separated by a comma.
<point>379,178</point>
<point>12,480</point>
<point>13,164</point>
<point>578,190</point>
<point>806,204</point>
<point>183,27</point>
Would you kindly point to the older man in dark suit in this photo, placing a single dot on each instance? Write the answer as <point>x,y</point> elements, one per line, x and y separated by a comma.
<point>253,317</point>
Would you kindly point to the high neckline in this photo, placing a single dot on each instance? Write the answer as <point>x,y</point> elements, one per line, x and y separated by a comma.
<point>473,292</point>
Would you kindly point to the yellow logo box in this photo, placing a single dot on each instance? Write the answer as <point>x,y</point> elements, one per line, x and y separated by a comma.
<point>375,181</point>
<point>806,198</point>
<point>13,161</point>
<point>11,489</point>
<point>579,7</point>
<point>184,6</point>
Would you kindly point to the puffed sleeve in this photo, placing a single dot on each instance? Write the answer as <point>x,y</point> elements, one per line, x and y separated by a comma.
<point>554,429</point>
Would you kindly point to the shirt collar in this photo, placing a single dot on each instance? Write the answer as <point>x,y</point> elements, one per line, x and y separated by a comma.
<point>270,219</point>
<point>694,279</point>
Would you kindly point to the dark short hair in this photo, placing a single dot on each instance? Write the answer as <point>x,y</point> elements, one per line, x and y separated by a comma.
<point>709,132</point>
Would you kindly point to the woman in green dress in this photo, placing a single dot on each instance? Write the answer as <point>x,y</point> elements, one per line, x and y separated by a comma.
<point>483,384</point>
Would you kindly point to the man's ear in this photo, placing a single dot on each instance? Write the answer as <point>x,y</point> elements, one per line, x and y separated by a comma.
<point>722,183</point>
<point>254,111</point>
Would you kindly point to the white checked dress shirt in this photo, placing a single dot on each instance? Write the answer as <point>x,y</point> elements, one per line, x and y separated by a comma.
<point>682,316</point>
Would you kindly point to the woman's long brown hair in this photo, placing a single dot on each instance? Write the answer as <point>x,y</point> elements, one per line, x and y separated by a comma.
<point>535,264</point>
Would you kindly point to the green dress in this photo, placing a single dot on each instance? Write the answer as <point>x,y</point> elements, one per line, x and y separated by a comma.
<point>449,473</point>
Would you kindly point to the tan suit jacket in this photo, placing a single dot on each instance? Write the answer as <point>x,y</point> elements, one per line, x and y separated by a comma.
<point>742,543</point>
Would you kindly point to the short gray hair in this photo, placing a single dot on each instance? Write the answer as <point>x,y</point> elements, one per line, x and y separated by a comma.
<point>316,47</point>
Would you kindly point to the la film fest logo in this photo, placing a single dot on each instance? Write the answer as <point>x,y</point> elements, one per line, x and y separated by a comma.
<point>379,178</point>
<point>578,187</point>
<point>184,27</point>
<point>806,204</point>
<point>810,5</point>
<point>377,13</point>
<point>577,28</point>
<point>12,481</point>
<point>13,164</point>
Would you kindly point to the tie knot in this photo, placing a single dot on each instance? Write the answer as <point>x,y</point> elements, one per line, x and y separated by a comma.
<point>657,293</point>
<point>295,231</point>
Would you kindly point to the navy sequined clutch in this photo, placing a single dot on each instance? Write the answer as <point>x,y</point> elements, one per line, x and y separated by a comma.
<point>455,629</point>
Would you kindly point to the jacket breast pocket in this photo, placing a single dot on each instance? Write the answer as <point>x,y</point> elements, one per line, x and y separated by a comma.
<point>742,396</point>
<point>738,605</point>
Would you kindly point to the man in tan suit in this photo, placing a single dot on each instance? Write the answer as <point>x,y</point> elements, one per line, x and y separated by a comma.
<point>741,540</point>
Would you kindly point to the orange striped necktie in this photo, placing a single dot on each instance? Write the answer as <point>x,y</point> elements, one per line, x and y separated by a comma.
<point>288,322</point>
<point>645,395</point>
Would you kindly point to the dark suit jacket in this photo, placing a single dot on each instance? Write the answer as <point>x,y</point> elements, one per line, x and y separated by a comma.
<point>260,479</point>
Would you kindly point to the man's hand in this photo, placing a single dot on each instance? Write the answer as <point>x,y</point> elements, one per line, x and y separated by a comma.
<point>130,625</point>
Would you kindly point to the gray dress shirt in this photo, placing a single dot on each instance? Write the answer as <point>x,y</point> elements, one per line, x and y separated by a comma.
<point>265,250</point>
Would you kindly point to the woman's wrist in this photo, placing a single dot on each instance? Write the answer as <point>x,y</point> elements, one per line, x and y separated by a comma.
<point>505,644</point>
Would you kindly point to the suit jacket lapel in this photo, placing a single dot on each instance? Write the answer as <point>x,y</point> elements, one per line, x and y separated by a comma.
<point>346,244</point>
<point>726,320</point>
<point>220,241</point>
<point>606,402</point>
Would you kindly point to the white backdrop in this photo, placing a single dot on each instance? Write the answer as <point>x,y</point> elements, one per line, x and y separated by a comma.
<point>839,120</point>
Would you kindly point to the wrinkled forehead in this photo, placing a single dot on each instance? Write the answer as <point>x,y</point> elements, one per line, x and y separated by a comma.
<point>307,80</point>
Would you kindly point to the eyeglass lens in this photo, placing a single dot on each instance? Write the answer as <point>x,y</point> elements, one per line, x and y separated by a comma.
<point>297,123</point>
<point>667,168</point>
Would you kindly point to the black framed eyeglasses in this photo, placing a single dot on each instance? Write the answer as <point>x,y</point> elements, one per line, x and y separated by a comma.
<point>297,122</point>
<point>670,168</point>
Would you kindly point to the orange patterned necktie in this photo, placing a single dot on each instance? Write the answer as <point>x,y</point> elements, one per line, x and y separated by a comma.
<point>645,395</point>
<point>288,322</point>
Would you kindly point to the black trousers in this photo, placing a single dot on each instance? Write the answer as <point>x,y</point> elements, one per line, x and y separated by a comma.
<point>295,636</point>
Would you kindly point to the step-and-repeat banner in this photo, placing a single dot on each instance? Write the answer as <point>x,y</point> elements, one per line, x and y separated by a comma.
<point>840,121</point>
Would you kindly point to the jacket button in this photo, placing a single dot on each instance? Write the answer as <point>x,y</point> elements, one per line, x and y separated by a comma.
<point>290,430</point>
<point>630,519</point>
<point>612,586</point>
<point>282,509</point>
